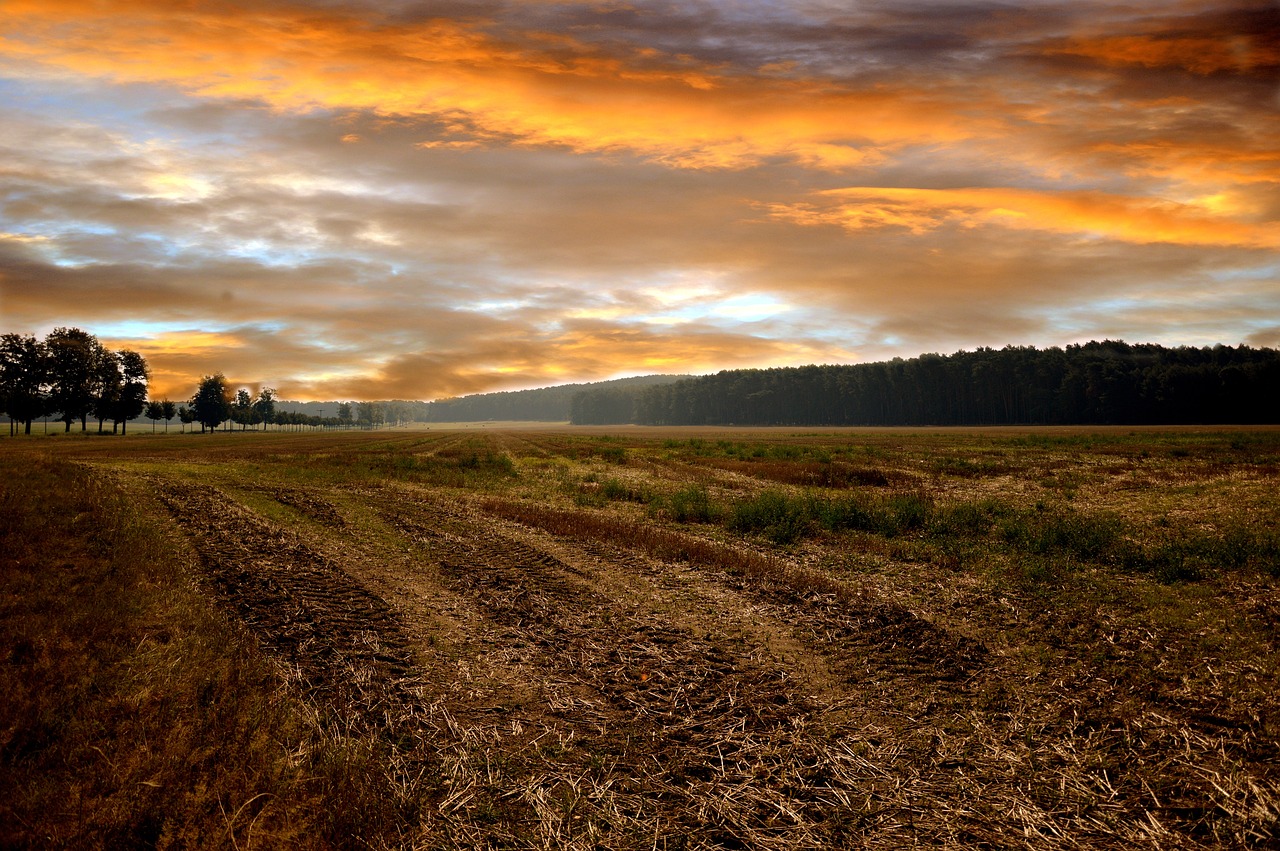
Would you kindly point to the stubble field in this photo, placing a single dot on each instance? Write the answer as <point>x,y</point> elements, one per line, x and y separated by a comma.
<point>643,638</point>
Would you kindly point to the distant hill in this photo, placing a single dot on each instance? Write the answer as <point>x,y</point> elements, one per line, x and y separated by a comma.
<point>544,404</point>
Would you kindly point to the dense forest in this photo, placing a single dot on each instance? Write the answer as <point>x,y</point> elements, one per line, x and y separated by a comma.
<point>1108,382</point>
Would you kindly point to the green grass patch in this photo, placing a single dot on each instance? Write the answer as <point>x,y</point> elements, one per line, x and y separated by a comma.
<point>692,504</point>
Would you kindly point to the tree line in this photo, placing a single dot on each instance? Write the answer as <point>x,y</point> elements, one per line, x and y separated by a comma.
<point>71,374</point>
<point>1108,382</point>
<point>215,404</point>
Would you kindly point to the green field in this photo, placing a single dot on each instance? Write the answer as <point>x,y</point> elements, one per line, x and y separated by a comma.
<point>642,638</point>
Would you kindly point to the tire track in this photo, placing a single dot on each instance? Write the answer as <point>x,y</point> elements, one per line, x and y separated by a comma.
<point>856,629</point>
<point>344,644</point>
<point>308,504</point>
<point>706,745</point>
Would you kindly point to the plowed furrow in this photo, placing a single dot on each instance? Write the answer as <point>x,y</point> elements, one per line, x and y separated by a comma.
<point>690,719</point>
<point>878,635</point>
<point>853,629</point>
<point>344,643</point>
<point>310,505</point>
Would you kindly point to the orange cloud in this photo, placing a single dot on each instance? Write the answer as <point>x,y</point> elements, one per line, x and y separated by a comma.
<point>1123,218</point>
<point>1200,54</point>
<point>1195,161</point>
<point>170,358</point>
<point>544,91</point>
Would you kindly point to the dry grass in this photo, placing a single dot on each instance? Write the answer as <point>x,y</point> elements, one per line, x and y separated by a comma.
<point>135,714</point>
<point>1007,638</point>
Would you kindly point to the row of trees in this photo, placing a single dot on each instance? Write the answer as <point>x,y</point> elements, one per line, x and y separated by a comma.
<point>370,414</point>
<point>214,404</point>
<point>1094,383</point>
<point>72,374</point>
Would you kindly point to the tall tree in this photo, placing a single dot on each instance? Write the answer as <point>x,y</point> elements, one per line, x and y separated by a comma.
<point>108,382</point>
<point>75,362</point>
<point>186,416</point>
<point>153,412</point>
<point>167,411</point>
<point>212,403</point>
<point>133,388</point>
<point>24,379</point>
<point>264,406</point>
<point>242,409</point>
<point>369,414</point>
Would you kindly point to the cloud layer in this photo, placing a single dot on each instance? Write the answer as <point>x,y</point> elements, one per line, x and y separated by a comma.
<point>377,200</point>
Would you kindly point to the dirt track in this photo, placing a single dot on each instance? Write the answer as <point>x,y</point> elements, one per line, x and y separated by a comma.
<point>345,643</point>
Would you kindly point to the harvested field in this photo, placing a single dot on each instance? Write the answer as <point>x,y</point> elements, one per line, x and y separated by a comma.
<point>578,638</point>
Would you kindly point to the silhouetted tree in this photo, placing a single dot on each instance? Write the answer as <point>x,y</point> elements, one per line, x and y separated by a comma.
<point>211,404</point>
<point>242,409</point>
<point>24,379</point>
<point>264,407</point>
<point>154,412</point>
<point>132,395</point>
<point>167,410</point>
<point>108,382</point>
<point>76,362</point>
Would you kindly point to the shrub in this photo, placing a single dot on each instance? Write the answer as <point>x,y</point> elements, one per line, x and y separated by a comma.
<point>968,518</point>
<point>908,512</point>
<point>780,518</point>
<point>853,512</point>
<point>692,505</point>
<point>1089,537</point>
<point>614,489</point>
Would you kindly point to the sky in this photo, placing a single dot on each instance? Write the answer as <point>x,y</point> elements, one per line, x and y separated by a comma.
<point>377,199</point>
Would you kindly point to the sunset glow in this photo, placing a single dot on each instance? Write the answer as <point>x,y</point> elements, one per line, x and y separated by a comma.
<point>409,200</point>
